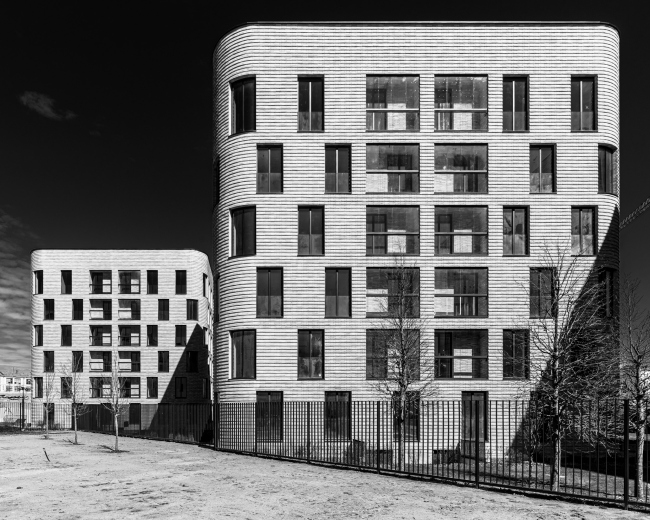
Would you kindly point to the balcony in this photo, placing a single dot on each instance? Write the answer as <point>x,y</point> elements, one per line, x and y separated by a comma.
<point>100,340</point>
<point>132,287</point>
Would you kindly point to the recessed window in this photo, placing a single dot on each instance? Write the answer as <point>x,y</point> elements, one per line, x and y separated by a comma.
<point>583,231</point>
<point>77,309</point>
<point>101,309</point>
<point>152,388</point>
<point>380,354</point>
<point>392,230</point>
<point>392,103</point>
<point>129,282</point>
<point>66,387</point>
<point>338,416</point>
<point>605,169</point>
<point>152,282</point>
<point>269,292</point>
<point>310,354</point>
<point>129,361</point>
<point>100,282</point>
<point>515,104</point>
<point>129,335</point>
<point>461,292</point>
<point>163,310</point>
<point>243,354</point>
<point>181,335</point>
<point>205,284</point>
<point>311,104</point>
<point>461,354</point>
<point>152,335</point>
<point>542,169</point>
<point>515,231</point>
<point>583,103</point>
<point>48,361</point>
<point>461,230</point>
<point>606,280</point>
<point>100,336</point>
<point>269,417</point>
<point>181,282</point>
<point>38,387</point>
<point>163,361</point>
<point>376,354</point>
<point>243,231</point>
<point>77,361</point>
<point>66,282</point>
<point>337,169</point>
<point>129,387</point>
<point>392,292</point>
<point>38,335</point>
<point>269,169</point>
<point>66,335</point>
<point>38,282</point>
<point>337,293</point>
<point>192,310</point>
<point>48,309</point>
<point>242,104</point>
<point>461,103</point>
<point>541,293</point>
<point>206,337</point>
<point>100,387</point>
<point>180,387</point>
<point>461,168</point>
<point>392,168</point>
<point>311,232</point>
<point>516,356</point>
<point>191,361</point>
<point>128,309</point>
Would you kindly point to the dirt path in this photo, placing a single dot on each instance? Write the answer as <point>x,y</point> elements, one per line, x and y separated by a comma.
<point>163,480</point>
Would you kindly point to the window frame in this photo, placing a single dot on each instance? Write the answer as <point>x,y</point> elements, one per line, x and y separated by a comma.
<point>180,282</point>
<point>310,78</point>
<point>37,281</point>
<point>412,418</point>
<point>536,297</point>
<point>415,174</point>
<point>581,77</point>
<point>233,357</point>
<point>337,148</point>
<point>104,331</point>
<point>233,234</point>
<point>163,361</point>
<point>311,363</point>
<point>485,295</point>
<point>483,336</point>
<point>415,296</point>
<point>66,335</point>
<point>78,366</point>
<point>594,210</point>
<point>152,335</point>
<point>268,271</point>
<point>511,364</point>
<point>372,110</point>
<point>311,234</point>
<point>232,123</point>
<point>152,384</point>
<point>453,234</point>
<point>526,79</point>
<point>66,289</point>
<point>38,335</point>
<point>602,179</point>
<point>192,309</point>
<point>388,233</point>
<point>48,309</point>
<point>107,276</point>
<point>48,364</point>
<point>77,313</point>
<point>275,433</point>
<point>164,311</point>
<point>269,148</point>
<point>151,287</point>
<point>527,224</point>
<point>180,335</point>
<point>132,284</point>
<point>438,111</point>
<point>192,361</point>
<point>539,147</point>
<point>454,172</point>
<point>337,296</point>
<point>180,393</point>
<point>129,331</point>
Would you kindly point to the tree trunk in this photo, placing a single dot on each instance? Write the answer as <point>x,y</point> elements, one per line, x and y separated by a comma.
<point>557,453</point>
<point>640,447</point>
<point>117,436</point>
<point>47,420</point>
<point>74,418</point>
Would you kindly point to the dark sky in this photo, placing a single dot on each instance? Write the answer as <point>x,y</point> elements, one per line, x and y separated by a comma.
<point>105,123</point>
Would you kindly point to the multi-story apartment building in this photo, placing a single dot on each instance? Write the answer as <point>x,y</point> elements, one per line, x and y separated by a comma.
<point>14,383</point>
<point>468,148</point>
<point>146,312</point>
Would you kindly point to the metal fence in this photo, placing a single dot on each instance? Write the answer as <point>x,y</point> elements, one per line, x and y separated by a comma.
<point>34,415</point>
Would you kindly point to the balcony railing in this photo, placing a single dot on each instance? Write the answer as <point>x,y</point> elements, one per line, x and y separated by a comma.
<point>130,288</point>
<point>103,340</point>
<point>100,288</point>
<point>100,314</point>
<point>130,340</point>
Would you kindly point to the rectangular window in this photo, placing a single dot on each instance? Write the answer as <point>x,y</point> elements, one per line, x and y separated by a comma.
<point>516,358</point>
<point>205,388</point>
<point>101,310</point>
<point>129,361</point>
<point>152,282</point>
<point>130,387</point>
<point>242,105</point>
<point>337,293</point>
<point>77,309</point>
<point>461,168</point>
<point>461,103</point>
<point>48,361</point>
<point>152,388</point>
<point>310,354</point>
<point>269,293</point>
<point>583,231</point>
<point>66,335</point>
<point>180,387</point>
<point>541,293</point>
<point>193,310</point>
<point>100,387</point>
<point>100,336</point>
<point>461,230</point>
<point>392,292</point>
<point>100,282</point>
<point>269,417</point>
<point>392,230</point>
<point>38,387</point>
<point>77,361</point>
<point>243,231</point>
<point>542,169</point>
<point>48,309</point>
<point>583,103</point>
<point>181,282</point>
<point>461,292</point>
<point>38,335</point>
<point>191,361</point>
<point>605,169</point>
<point>163,310</point>
<point>152,335</point>
<point>66,387</point>
<point>475,416</point>
<point>129,282</point>
<point>392,168</point>
<point>378,342</point>
<point>311,104</point>
<point>338,416</point>
<point>311,232</point>
<point>243,354</point>
<point>269,169</point>
<point>606,280</point>
<point>411,424</point>
<point>392,103</point>
<point>515,104</point>
<point>205,285</point>
<point>38,282</point>
<point>461,354</point>
<point>129,335</point>
<point>337,169</point>
<point>66,282</point>
<point>128,309</point>
<point>163,361</point>
<point>515,231</point>
<point>181,335</point>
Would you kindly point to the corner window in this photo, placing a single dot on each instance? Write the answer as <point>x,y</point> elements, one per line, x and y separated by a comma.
<point>311,104</point>
<point>338,416</point>
<point>243,231</point>
<point>541,293</point>
<point>269,293</point>
<point>242,104</point>
<point>66,282</point>
<point>583,103</point>
<point>583,231</point>
<point>605,169</point>
<point>392,103</point>
<point>392,168</point>
<point>516,356</point>
<point>461,230</point>
<point>311,232</point>
<point>392,230</point>
<point>461,292</point>
<point>310,354</point>
<point>38,335</point>
<point>461,103</point>
<point>269,169</point>
<point>337,293</point>
<point>461,354</point>
<point>392,292</point>
<point>515,104</point>
<point>542,169</point>
<point>38,282</point>
<point>337,169</point>
<point>515,231</point>
<point>243,354</point>
<point>461,168</point>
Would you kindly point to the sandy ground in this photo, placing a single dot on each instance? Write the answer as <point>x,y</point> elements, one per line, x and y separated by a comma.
<point>154,479</point>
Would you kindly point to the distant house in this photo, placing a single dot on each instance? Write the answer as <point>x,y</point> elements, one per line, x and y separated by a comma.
<point>12,382</point>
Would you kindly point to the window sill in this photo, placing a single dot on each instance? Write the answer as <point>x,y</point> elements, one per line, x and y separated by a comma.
<point>393,192</point>
<point>393,255</point>
<point>240,256</point>
<point>461,192</point>
<point>460,317</point>
<point>310,379</point>
<point>461,131</point>
<point>465,255</point>
<point>310,131</point>
<point>516,131</point>
<point>516,256</point>
<point>391,131</point>
<point>307,256</point>
<point>242,133</point>
<point>584,131</point>
<point>462,378</point>
<point>268,318</point>
<point>338,317</point>
<point>269,192</point>
<point>543,193</point>
<point>337,193</point>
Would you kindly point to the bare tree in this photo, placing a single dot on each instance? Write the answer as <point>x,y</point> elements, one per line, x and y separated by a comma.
<point>114,395</point>
<point>402,367</point>
<point>634,330</point>
<point>49,394</point>
<point>571,357</point>
<point>75,392</point>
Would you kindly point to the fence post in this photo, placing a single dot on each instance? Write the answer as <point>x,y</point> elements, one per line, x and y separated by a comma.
<point>22,412</point>
<point>626,452</point>
<point>308,431</point>
<point>215,423</point>
<point>378,436</point>
<point>477,444</point>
